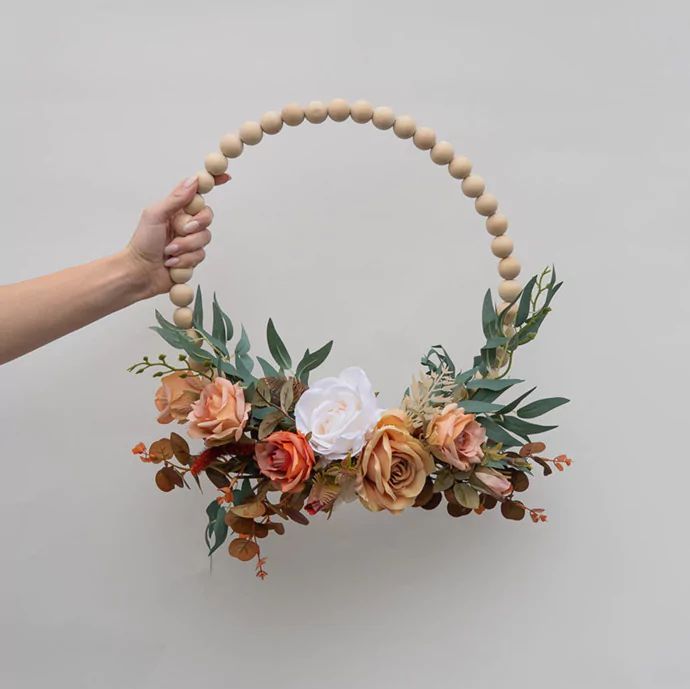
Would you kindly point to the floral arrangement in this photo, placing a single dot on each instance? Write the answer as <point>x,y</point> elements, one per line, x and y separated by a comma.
<point>278,448</point>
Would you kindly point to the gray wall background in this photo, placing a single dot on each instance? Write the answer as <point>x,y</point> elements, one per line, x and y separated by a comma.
<point>576,114</point>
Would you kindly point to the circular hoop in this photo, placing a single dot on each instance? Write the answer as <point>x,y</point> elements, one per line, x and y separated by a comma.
<point>441,152</point>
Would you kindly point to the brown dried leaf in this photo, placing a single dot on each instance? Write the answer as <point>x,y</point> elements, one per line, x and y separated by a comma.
<point>250,510</point>
<point>511,509</point>
<point>243,549</point>
<point>240,525</point>
<point>520,481</point>
<point>296,516</point>
<point>433,502</point>
<point>277,527</point>
<point>160,450</point>
<point>167,479</point>
<point>180,449</point>
<point>217,478</point>
<point>531,449</point>
<point>425,494</point>
<point>455,510</point>
<point>269,423</point>
<point>489,501</point>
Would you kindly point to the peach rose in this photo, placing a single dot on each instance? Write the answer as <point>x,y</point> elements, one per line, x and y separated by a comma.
<point>286,458</point>
<point>458,437</point>
<point>220,414</point>
<point>496,482</point>
<point>393,466</point>
<point>175,396</point>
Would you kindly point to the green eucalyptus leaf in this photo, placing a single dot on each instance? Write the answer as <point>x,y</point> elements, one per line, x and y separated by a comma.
<point>218,329</point>
<point>523,428</point>
<point>478,407</point>
<point>277,347</point>
<point>489,316</point>
<point>509,407</point>
<point>463,377</point>
<point>524,305</point>
<point>492,383</point>
<point>198,313</point>
<point>539,407</point>
<point>312,360</point>
<point>466,495</point>
<point>497,434</point>
<point>267,368</point>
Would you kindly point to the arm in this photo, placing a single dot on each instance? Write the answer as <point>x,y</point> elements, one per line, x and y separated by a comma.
<point>35,312</point>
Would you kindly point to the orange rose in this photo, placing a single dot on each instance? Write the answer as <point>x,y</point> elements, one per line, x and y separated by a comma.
<point>286,458</point>
<point>220,414</point>
<point>458,437</point>
<point>394,465</point>
<point>175,396</point>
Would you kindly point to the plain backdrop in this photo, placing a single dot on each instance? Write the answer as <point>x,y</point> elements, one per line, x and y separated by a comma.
<point>576,114</point>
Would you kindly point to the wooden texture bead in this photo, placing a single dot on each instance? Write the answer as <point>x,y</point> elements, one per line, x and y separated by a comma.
<point>231,145</point>
<point>216,163</point>
<point>205,181</point>
<point>510,316</point>
<point>271,122</point>
<point>509,290</point>
<point>404,127</point>
<point>194,336</point>
<point>181,295</point>
<point>497,224</point>
<point>316,112</point>
<point>473,186</point>
<point>183,317</point>
<point>338,110</point>
<point>502,247</point>
<point>251,133</point>
<point>486,204</point>
<point>383,117</point>
<point>460,167</point>
<point>179,221</point>
<point>424,138</point>
<point>361,111</point>
<point>195,205</point>
<point>292,114</point>
<point>180,275</point>
<point>509,268</point>
<point>442,153</point>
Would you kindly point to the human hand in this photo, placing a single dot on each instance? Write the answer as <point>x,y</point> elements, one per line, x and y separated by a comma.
<point>167,237</point>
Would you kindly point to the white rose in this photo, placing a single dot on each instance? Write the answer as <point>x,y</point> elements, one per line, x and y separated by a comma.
<point>339,413</point>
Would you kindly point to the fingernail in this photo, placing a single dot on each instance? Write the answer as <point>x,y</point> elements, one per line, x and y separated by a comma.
<point>189,182</point>
<point>171,249</point>
<point>172,262</point>
<point>191,226</point>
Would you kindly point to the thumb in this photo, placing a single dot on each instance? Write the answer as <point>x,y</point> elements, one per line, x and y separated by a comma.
<point>176,200</point>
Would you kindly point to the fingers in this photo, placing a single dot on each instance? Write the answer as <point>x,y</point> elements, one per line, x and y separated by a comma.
<point>181,247</point>
<point>222,179</point>
<point>175,201</point>
<point>185,224</point>
<point>189,260</point>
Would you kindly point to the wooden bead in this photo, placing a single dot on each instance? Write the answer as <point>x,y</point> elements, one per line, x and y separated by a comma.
<point>292,114</point>
<point>497,224</point>
<point>424,138</point>
<point>502,247</point>
<point>180,275</point>
<point>195,205</point>
<point>486,204</point>
<point>510,316</point>
<point>271,122</point>
<point>179,221</point>
<point>251,133</point>
<point>442,153</point>
<point>338,110</point>
<point>404,127</point>
<point>216,163</point>
<point>316,112</point>
<point>509,268</point>
<point>197,364</point>
<point>181,295</point>
<point>231,145</point>
<point>460,167</point>
<point>183,317</point>
<point>361,111</point>
<point>205,181</point>
<point>473,186</point>
<point>194,336</point>
<point>383,117</point>
<point>509,290</point>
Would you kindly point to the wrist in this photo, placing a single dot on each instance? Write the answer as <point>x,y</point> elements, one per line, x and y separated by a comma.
<point>135,274</point>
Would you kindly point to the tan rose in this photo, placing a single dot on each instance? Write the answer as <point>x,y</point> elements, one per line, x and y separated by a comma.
<point>286,458</point>
<point>220,414</point>
<point>457,436</point>
<point>175,396</point>
<point>394,465</point>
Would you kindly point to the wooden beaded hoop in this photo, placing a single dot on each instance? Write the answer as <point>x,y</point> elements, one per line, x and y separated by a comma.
<point>441,152</point>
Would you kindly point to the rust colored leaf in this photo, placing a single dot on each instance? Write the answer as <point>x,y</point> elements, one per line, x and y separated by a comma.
<point>260,530</point>
<point>455,510</point>
<point>243,549</point>
<point>520,481</point>
<point>425,494</point>
<point>512,510</point>
<point>296,516</point>
<point>164,480</point>
<point>544,465</point>
<point>160,450</point>
<point>180,449</point>
<point>277,527</point>
<point>250,509</point>
<point>433,502</point>
<point>532,449</point>
<point>489,501</point>
<point>217,478</point>
<point>240,525</point>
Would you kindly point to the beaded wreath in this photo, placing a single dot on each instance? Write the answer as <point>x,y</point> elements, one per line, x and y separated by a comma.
<point>278,446</point>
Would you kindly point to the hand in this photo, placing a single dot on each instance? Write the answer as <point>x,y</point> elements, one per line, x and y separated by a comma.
<point>167,237</point>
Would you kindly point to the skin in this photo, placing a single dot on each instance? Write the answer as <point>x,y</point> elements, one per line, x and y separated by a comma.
<point>35,312</point>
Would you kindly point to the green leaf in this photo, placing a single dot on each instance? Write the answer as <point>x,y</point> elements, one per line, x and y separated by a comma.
<point>523,307</point>
<point>509,407</point>
<point>495,342</point>
<point>267,368</point>
<point>489,316</point>
<point>478,407</point>
<point>287,396</point>
<point>486,395</point>
<point>539,407</point>
<point>243,361</point>
<point>310,361</point>
<point>276,346</point>
<point>466,495</point>
<point>492,383</point>
<point>243,493</point>
<point>463,377</point>
<point>497,434</point>
<point>218,329</point>
<point>216,529</point>
<point>270,423</point>
<point>198,317</point>
<point>523,428</point>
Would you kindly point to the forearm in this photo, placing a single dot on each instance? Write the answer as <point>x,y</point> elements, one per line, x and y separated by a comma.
<point>38,311</point>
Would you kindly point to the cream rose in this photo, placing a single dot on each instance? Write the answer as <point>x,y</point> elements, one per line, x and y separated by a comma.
<point>339,413</point>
